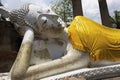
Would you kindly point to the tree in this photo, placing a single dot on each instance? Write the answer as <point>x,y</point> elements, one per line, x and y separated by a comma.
<point>64,9</point>
<point>116,19</point>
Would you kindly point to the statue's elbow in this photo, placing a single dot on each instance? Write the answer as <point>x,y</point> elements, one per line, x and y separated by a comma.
<point>17,75</point>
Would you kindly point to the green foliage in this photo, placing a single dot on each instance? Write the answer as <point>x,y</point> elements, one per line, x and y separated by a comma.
<point>64,9</point>
<point>116,18</point>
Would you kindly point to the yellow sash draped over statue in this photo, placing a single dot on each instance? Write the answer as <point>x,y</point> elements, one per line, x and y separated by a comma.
<point>103,43</point>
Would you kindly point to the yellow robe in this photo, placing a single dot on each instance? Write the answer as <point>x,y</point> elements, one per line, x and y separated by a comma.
<point>101,42</point>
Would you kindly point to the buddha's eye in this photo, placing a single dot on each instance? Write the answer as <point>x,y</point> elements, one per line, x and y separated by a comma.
<point>45,21</point>
<point>48,11</point>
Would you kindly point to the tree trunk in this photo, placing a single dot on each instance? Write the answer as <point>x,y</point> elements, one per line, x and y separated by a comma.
<point>77,7</point>
<point>104,13</point>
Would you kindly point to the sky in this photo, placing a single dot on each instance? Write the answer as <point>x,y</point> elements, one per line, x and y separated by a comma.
<point>90,7</point>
